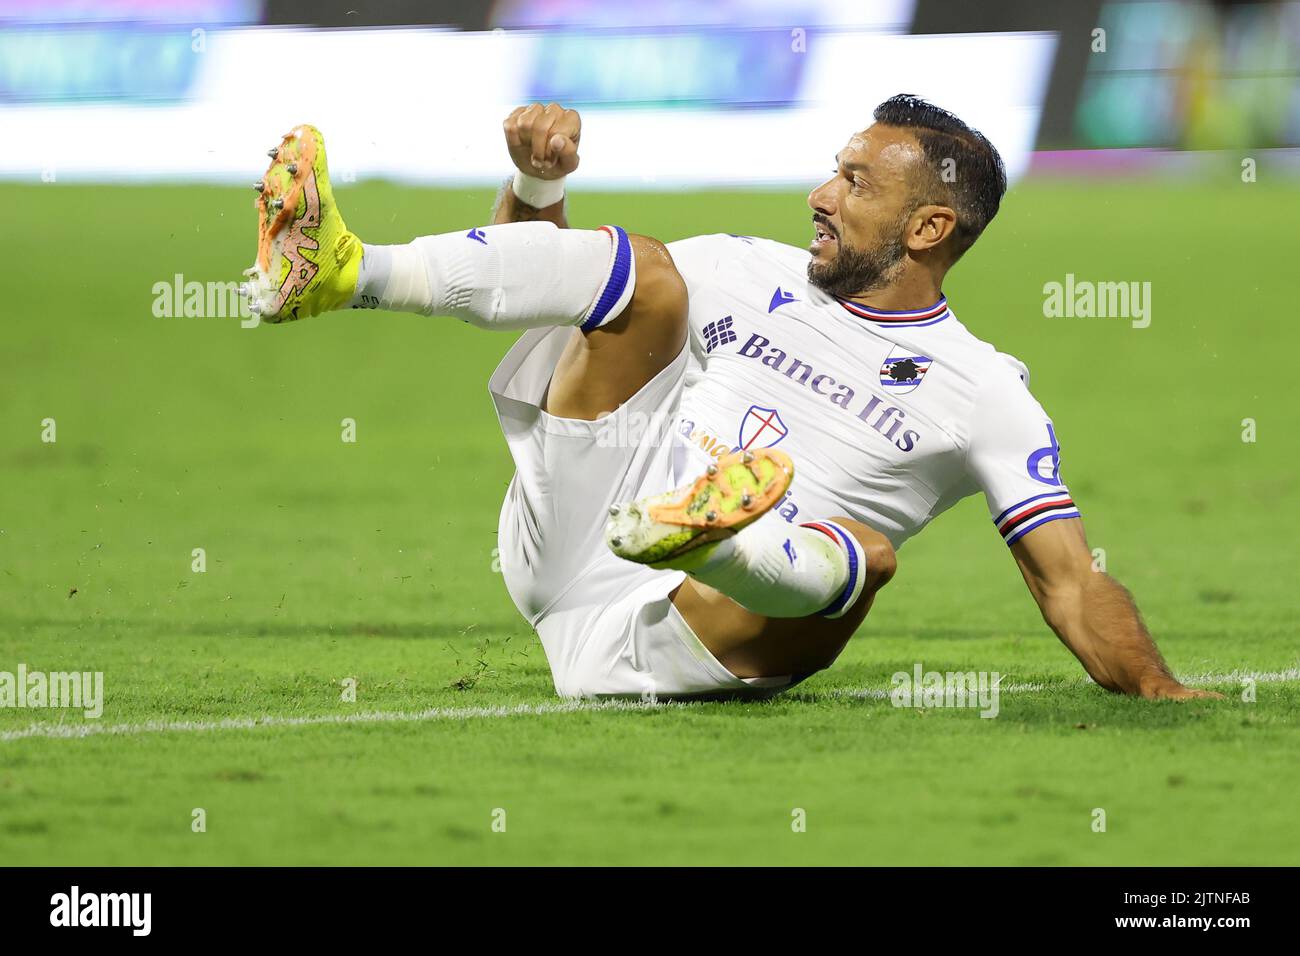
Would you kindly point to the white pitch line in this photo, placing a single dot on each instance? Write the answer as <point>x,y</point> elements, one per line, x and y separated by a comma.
<point>1236,676</point>
<point>77,731</point>
<point>64,730</point>
<point>1191,680</point>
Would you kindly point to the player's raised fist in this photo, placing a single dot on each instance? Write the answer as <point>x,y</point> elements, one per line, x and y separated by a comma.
<point>543,139</point>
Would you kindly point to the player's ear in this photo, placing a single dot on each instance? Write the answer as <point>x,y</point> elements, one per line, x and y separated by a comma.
<point>930,226</point>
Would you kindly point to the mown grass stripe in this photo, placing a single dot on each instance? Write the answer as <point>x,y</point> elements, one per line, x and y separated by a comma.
<point>76,731</point>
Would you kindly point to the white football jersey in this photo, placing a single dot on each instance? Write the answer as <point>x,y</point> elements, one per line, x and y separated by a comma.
<point>891,418</point>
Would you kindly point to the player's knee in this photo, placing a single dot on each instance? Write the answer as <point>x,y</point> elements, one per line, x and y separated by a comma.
<point>656,269</point>
<point>882,562</point>
<point>660,294</point>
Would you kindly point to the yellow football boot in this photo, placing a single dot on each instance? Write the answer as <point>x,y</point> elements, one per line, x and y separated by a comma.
<point>676,529</point>
<point>307,261</point>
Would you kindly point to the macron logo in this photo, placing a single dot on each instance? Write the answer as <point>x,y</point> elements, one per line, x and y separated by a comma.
<point>718,333</point>
<point>102,909</point>
<point>477,234</point>
<point>779,299</point>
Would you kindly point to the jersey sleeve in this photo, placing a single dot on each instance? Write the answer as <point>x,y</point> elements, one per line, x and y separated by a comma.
<point>1015,458</point>
<point>700,260</point>
<point>699,257</point>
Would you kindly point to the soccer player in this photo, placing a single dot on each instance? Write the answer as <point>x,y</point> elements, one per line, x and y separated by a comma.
<point>720,443</point>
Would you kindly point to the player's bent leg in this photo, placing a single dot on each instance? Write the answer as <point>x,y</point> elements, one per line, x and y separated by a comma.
<point>622,294</point>
<point>604,366</point>
<point>765,597</point>
<point>750,644</point>
<point>525,275</point>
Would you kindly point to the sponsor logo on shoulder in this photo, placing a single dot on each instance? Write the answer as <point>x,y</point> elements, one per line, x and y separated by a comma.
<point>1044,464</point>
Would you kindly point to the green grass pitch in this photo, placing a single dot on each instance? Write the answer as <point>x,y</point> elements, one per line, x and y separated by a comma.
<point>374,561</point>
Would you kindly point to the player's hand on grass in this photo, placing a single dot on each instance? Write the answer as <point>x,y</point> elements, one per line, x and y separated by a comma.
<point>1170,689</point>
<point>543,139</point>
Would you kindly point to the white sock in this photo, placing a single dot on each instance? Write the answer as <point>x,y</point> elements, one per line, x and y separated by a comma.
<point>393,277</point>
<point>515,276</point>
<point>777,569</point>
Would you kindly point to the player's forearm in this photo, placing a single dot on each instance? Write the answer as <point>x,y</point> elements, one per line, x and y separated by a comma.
<point>1101,625</point>
<point>510,208</point>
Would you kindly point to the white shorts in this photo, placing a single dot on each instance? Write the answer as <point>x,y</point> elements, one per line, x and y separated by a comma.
<point>607,625</point>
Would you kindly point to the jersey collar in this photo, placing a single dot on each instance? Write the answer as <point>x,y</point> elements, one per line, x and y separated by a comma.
<point>913,318</point>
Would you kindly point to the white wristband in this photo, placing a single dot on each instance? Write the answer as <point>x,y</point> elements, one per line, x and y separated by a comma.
<point>538,193</point>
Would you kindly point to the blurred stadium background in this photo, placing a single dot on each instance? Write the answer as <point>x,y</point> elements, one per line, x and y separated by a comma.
<point>412,90</point>
<point>1151,140</point>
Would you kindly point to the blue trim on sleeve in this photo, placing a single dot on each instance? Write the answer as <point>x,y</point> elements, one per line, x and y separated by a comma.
<point>1073,513</point>
<point>617,283</point>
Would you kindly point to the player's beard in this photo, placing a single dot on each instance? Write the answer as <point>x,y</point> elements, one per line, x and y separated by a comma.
<point>856,271</point>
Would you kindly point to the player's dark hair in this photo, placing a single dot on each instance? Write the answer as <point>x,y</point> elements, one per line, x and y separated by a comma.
<point>977,179</point>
